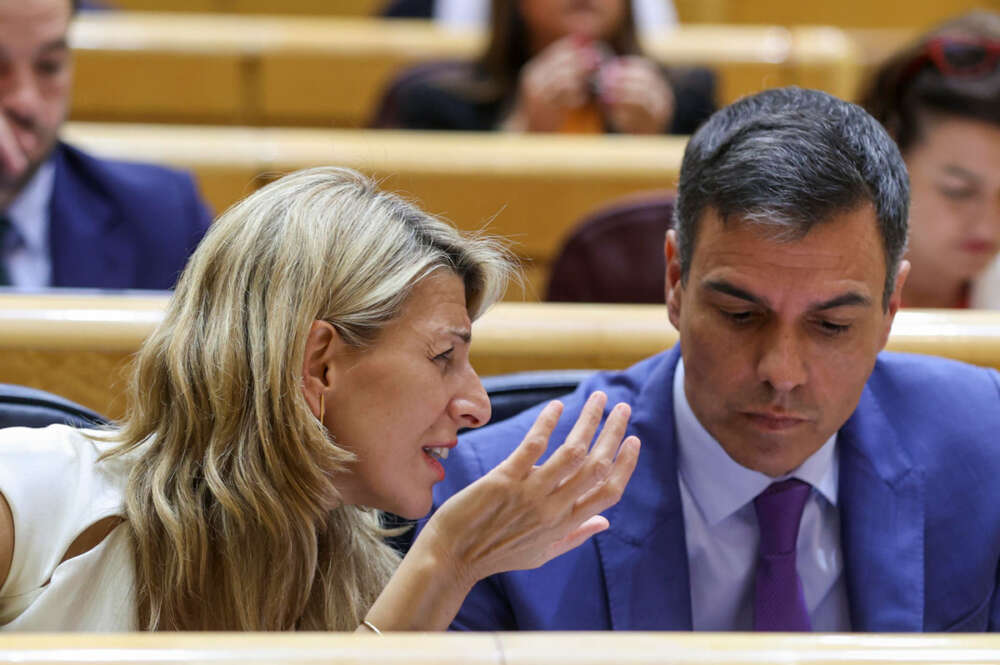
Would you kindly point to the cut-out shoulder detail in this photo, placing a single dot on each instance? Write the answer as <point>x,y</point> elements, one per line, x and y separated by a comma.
<point>6,539</point>
<point>91,537</point>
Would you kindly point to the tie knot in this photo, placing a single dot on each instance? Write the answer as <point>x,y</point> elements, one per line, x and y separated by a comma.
<point>779,511</point>
<point>8,234</point>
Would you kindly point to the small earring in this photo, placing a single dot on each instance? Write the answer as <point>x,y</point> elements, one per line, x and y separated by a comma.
<point>322,406</point>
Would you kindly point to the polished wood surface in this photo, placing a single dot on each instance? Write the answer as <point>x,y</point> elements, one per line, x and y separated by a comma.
<point>843,13</point>
<point>294,70</point>
<point>308,7</point>
<point>530,189</point>
<point>578,648</point>
<point>79,346</point>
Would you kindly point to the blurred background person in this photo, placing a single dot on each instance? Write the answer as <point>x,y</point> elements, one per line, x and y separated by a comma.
<point>650,15</point>
<point>68,218</point>
<point>571,66</point>
<point>940,100</point>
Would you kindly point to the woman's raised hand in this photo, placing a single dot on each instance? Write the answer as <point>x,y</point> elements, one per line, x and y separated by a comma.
<point>520,515</point>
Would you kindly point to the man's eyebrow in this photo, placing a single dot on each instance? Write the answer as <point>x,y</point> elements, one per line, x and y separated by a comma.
<point>852,299</point>
<point>463,334</point>
<point>728,289</point>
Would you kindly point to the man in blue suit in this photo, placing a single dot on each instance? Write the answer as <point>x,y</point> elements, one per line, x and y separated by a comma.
<point>70,219</point>
<point>792,476</point>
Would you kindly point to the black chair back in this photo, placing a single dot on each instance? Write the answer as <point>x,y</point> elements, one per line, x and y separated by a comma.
<point>387,111</point>
<point>510,394</point>
<point>31,407</point>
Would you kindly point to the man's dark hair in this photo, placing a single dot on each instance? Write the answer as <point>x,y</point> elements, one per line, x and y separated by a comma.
<point>788,159</point>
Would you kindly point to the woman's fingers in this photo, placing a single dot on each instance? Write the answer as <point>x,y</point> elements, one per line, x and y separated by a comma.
<point>521,462</point>
<point>577,536</point>
<point>572,453</point>
<point>606,494</point>
<point>598,465</point>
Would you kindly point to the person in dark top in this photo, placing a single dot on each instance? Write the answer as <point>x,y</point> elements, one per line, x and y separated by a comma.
<point>555,66</point>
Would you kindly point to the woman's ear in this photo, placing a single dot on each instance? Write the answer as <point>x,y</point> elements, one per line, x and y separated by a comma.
<point>323,343</point>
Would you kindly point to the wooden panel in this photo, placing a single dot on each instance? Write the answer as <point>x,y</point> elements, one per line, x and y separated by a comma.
<point>844,13</point>
<point>825,59</point>
<point>95,379</point>
<point>344,66</point>
<point>873,46</point>
<point>171,87</point>
<point>530,189</point>
<point>746,59</point>
<point>272,70</point>
<point>79,346</point>
<point>577,648</point>
<point>310,7</point>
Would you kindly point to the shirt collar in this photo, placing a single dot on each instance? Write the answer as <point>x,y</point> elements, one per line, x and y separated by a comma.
<point>29,213</point>
<point>719,485</point>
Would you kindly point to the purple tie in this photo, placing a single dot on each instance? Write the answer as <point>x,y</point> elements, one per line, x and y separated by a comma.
<point>778,601</point>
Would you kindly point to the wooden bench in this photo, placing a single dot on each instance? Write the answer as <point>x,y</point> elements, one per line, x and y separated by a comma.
<point>919,14</point>
<point>530,189</point>
<point>512,648</point>
<point>307,7</point>
<point>79,346</point>
<point>288,70</point>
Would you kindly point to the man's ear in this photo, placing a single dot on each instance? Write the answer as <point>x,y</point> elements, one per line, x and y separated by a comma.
<point>323,344</point>
<point>895,301</point>
<point>672,286</point>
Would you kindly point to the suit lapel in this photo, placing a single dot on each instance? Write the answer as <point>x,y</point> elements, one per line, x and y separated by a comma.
<point>644,553</point>
<point>88,249</point>
<point>881,499</point>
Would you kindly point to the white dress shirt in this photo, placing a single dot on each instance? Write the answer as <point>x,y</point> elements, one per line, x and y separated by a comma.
<point>721,528</point>
<point>29,264</point>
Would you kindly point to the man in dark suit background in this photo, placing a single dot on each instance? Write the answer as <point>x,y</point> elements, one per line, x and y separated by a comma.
<point>792,475</point>
<point>71,219</point>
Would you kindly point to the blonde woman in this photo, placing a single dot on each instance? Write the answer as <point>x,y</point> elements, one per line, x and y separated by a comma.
<point>312,368</point>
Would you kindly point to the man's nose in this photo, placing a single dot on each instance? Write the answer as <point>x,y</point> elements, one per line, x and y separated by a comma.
<point>781,361</point>
<point>471,405</point>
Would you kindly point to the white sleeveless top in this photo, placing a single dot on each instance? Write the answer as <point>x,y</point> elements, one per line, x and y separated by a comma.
<point>986,289</point>
<point>56,488</point>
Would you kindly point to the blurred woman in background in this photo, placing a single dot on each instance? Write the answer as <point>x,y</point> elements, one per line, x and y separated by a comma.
<point>940,100</point>
<point>572,66</point>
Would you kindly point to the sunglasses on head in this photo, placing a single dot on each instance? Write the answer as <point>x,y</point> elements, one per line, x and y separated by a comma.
<point>956,56</point>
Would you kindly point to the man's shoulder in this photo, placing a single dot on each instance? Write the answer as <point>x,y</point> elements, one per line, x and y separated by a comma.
<point>918,377</point>
<point>492,443</point>
<point>124,178</point>
<point>939,406</point>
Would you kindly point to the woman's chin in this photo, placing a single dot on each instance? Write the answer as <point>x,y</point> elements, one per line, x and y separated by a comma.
<point>412,510</point>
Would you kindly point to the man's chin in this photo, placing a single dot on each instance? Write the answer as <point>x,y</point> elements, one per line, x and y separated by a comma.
<point>12,184</point>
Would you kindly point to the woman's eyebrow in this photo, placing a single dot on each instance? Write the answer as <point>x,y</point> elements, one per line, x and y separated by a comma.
<point>960,172</point>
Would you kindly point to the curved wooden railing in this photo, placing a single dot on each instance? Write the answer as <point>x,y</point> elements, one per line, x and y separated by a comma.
<point>499,648</point>
<point>79,345</point>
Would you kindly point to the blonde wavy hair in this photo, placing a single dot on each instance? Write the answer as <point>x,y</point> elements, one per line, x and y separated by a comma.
<point>234,521</point>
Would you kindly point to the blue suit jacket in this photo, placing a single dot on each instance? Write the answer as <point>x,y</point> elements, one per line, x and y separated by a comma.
<point>121,225</point>
<point>919,502</point>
